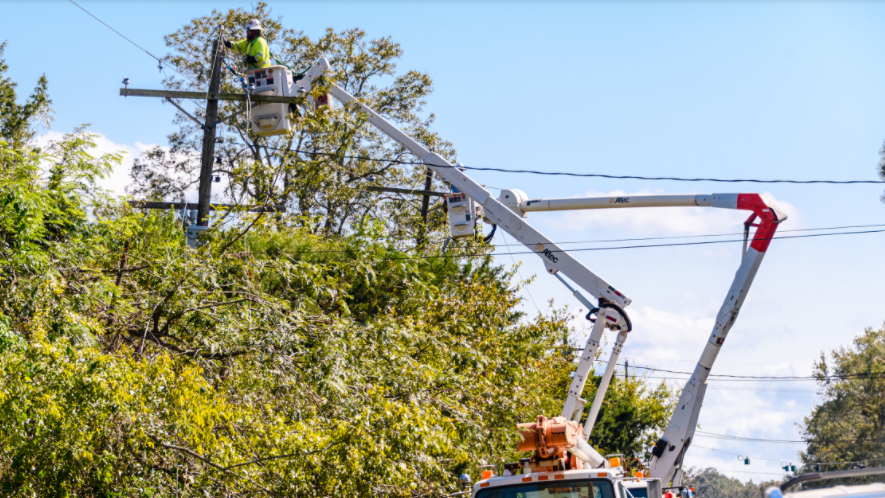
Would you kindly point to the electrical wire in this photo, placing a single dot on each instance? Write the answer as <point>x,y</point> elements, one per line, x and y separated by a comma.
<point>809,379</point>
<point>160,61</point>
<point>780,461</point>
<point>750,472</point>
<point>785,441</point>
<point>747,439</point>
<point>582,175</point>
<point>720,361</point>
<point>582,249</point>
<point>768,377</point>
<point>727,377</point>
<point>673,237</point>
<point>708,242</point>
<point>594,175</point>
<point>519,272</point>
<point>736,454</point>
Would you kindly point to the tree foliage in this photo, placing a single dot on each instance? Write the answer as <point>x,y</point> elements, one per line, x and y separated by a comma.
<point>633,415</point>
<point>709,483</point>
<point>321,169</point>
<point>275,360</point>
<point>19,122</point>
<point>849,424</point>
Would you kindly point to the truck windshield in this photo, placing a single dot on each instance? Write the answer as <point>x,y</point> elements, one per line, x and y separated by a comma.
<point>561,489</point>
<point>638,492</point>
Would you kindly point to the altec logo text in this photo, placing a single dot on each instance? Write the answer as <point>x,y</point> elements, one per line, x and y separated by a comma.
<point>546,252</point>
<point>619,200</point>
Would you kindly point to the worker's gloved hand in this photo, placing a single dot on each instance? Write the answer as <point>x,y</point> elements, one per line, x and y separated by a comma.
<point>227,43</point>
<point>250,59</point>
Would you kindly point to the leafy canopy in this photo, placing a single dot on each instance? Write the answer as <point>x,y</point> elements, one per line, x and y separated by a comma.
<point>849,424</point>
<point>321,169</point>
<point>275,360</point>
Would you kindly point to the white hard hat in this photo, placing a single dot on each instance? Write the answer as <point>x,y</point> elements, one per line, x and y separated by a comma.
<point>254,24</point>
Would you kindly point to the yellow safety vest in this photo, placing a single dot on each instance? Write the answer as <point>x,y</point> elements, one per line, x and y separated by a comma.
<point>257,48</point>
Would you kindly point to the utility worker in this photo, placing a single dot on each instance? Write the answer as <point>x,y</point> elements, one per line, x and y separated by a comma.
<point>254,46</point>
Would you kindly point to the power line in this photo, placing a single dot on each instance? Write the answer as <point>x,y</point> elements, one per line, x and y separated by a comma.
<point>582,249</point>
<point>809,379</point>
<point>763,377</point>
<point>675,179</point>
<point>736,454</point>
<point>713,235</point>
<point>160,61</point>
<point>785,441</point>
<point>806,464</point>
<point>707,242</point>
<point>717,361</point>
<point>591,175</point>
<point>674,237</point>
<point>520,274</point>
<point>755,440</point>
<point>750,472</point>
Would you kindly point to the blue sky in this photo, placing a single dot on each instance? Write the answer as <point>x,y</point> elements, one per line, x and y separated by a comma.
<point>742,89</point>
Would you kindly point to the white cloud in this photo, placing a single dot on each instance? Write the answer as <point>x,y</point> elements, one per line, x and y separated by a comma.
<point>671,328</point>
<point>119,178</point>
<point>670,221</point>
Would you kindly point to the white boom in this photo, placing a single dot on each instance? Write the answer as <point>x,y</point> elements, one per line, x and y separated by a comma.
<point>669,451</point>
<point>508,213</point>
<point>555,259</point>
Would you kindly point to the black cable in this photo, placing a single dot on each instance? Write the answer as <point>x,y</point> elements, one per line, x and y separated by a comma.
<point>127,39</point>
<point>667,178</point>
<point>698,243</point>
<point>488,238</point>
<point>592,175</point>
<point>711,235</point>
<point>753,377</point>
<point>788,441</point>
<point>399,258</point>
<point>663,245</point>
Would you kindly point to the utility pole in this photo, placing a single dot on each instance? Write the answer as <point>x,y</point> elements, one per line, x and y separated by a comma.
<point>208,157</point>
<point>425,204</point>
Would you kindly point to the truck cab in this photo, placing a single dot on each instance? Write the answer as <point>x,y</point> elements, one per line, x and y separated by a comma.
<point>585,483</point>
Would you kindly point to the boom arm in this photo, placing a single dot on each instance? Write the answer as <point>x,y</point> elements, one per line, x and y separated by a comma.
<point>669,452</point>
<point>555,259</point>
<point>508,214</point>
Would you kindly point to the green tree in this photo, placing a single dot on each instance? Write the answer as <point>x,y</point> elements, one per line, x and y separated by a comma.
<point>849,424</point>
<point>275,360</point>
<point>19,122</point>
<point>709,483</point>
<point>321,169</point>
<point>633,416</point>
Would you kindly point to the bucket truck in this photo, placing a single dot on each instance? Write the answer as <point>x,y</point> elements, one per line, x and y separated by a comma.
<point>562,458</point>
